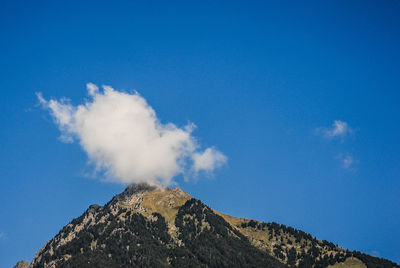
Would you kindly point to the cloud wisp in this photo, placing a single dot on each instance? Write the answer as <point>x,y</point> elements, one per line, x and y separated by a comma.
<point>123,137</point>
<point>339,129</point>
<point>347,161</point>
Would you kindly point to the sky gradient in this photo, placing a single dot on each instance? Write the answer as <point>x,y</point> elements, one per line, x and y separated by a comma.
<point>302,99</point>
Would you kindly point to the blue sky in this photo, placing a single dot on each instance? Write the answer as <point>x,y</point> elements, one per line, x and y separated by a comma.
<point>264,83</point>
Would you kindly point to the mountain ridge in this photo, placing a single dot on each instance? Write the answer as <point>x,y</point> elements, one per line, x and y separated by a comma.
<point>155,226</point>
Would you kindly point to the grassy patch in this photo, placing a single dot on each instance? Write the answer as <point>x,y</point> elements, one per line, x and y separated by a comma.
<point>349,263</point>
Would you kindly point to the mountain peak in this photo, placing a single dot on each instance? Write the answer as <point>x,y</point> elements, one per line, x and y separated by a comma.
<point>22,264</point>
<point>147,199</point>
<point>135,188</point>
<point>156,226</point>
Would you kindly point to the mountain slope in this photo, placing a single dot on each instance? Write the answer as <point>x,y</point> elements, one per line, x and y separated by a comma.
<point>149,226</point>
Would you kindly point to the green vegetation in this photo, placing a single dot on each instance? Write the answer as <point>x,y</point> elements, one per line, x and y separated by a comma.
<point>213,240</point>
<point>299,249</point>
<point>349,263</point>
<point>137,241</point>
<point>168,228</point>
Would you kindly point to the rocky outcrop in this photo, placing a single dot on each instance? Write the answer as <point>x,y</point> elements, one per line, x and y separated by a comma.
<point>22,264</point>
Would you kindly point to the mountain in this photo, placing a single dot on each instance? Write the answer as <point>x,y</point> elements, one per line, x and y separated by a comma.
<point>154,226</point>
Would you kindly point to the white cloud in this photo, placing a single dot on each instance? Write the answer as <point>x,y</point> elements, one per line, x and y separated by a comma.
<point>92,89</point>
<point>339,129</point>
<point>123,137</point>
<point>208,160</point>
<point>346,160</point>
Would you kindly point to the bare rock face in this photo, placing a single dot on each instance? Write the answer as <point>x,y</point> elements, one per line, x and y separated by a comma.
<point>22,264</point>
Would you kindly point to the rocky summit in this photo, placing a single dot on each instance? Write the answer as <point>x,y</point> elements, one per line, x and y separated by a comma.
<point>155,226</point>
